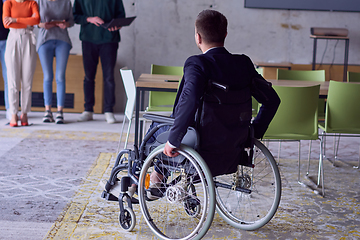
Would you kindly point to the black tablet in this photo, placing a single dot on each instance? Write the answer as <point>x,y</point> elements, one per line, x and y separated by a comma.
<point>118,22</point>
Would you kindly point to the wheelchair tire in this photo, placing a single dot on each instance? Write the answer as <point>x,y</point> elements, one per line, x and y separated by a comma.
<point>127,219</point>
<point>253,209</point>
<point>187,184</point>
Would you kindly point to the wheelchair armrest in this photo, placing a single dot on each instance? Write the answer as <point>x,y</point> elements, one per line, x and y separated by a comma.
<point>159,118</point>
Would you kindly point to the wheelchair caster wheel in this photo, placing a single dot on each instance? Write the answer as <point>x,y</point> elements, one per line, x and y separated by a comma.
<point>127,219</point>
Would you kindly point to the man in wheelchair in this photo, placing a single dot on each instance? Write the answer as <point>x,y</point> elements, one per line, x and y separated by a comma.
<point>214,96</point>
<point>204,162</point>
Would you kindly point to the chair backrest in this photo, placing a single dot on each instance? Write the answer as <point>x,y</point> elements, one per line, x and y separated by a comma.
<point>353,76</point>
<point>166,70</point>
<point>304,75</point>
<point>163,101</point>
<point>297,115</point>
<point>130,90</point>
<point>343,111</point>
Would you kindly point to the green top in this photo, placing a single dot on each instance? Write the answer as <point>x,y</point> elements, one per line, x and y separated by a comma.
<point>104,9</point>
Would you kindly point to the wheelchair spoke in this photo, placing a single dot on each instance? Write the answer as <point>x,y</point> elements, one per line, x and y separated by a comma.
<point>184,209</point>
<point>253,209</point>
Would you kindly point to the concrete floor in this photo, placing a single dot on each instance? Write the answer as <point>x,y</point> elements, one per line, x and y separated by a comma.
<point>50,174</point>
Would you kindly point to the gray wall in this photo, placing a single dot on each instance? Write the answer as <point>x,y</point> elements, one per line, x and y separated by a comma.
<point>163,33</point>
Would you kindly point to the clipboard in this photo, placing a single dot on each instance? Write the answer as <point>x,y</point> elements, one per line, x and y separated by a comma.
<point>118,22</point>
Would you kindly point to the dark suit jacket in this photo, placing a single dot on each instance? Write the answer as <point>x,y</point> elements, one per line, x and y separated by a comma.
<point>225,116</point>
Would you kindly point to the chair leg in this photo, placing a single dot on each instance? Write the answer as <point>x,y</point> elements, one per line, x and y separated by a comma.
<point>121,133</point>
<point>358,166</point>
<point>321,168</point>
<point>336,149</point>
<point>128,133</point>
<point>279,153</point>
<point>299,162</point>
<point>308,168</point>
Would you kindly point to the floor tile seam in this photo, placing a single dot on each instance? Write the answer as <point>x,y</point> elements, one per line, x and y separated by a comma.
<point>66,222</point>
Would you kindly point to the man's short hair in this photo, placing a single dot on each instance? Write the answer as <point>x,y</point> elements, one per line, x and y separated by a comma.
<point>212,26</point>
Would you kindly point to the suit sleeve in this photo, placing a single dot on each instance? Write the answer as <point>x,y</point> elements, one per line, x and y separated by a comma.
<point>188,99</point>
<point>264,93</point>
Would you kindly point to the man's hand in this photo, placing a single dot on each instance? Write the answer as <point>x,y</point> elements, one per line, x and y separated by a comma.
<point>169,151</point>
<point>113,29</point>
<point>95,20</point>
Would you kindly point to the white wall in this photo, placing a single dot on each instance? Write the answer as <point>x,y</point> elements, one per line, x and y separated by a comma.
<point>163,33</point>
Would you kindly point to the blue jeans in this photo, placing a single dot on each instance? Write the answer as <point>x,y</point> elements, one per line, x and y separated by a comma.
<point>4,72</point>
<point>47,51</point>
<point>108,55</point>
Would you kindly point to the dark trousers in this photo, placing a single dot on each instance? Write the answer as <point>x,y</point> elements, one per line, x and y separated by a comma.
<point>108,55</point>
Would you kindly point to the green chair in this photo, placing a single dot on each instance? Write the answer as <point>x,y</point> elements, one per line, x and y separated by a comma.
<point>163,101</point>
<point>296,118</point>
<point>301,75</point>
<point>343,112</point>
<point>305,75</point>
<point>353,76</point>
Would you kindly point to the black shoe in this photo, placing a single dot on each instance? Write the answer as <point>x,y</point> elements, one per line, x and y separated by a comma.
<point>156,191</point>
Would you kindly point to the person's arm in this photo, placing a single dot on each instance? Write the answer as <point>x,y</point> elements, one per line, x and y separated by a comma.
<point>6,15</point>
<point>119,13</point>
<point>69,20</point>
<point>264,93</point>
<point>119,10</point>
<point>34,19</point>
<point>191,90</point>
<point>79,16</point>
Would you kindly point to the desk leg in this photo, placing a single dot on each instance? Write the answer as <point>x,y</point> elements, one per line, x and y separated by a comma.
<point>137,110</point>
<point>314,54</point>
<point>142,108</point>
<point>346,59</point>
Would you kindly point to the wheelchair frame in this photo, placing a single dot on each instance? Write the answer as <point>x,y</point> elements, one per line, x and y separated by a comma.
<point>246,199</point>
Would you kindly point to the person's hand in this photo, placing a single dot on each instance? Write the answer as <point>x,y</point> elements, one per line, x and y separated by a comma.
<point>46,25</point>
<point>95,20</point>
<point>169,151</point>
<point>9,20</point>
<point>113,29</point>
<point>63,24</point>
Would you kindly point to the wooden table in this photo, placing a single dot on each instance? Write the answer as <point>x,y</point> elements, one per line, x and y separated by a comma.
<point>170,83</point>
<point>151,82</point>
<point>273,64</point>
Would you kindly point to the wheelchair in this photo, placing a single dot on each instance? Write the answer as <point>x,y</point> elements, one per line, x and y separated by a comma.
<point>188,194</point>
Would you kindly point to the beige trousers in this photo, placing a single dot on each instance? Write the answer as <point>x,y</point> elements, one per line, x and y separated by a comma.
<point>20,61</point>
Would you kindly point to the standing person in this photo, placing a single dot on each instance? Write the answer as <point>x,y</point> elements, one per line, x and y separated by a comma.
<point>98,42</point>
<point>54,41</point>
<point>20,55</point>
<point>3,36</point>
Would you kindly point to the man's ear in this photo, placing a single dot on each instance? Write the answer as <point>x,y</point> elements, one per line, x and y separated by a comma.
<point>198,38</point>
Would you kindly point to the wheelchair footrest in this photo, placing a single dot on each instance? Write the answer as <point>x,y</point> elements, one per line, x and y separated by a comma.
<point>109,196</point>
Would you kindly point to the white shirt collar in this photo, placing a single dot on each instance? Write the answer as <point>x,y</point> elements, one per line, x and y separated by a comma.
<point>210,49</point>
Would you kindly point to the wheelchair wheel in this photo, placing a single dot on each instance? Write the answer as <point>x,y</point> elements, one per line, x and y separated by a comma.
<point>186,204</point>
<point>249,198</point>
<point>127,219</point>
